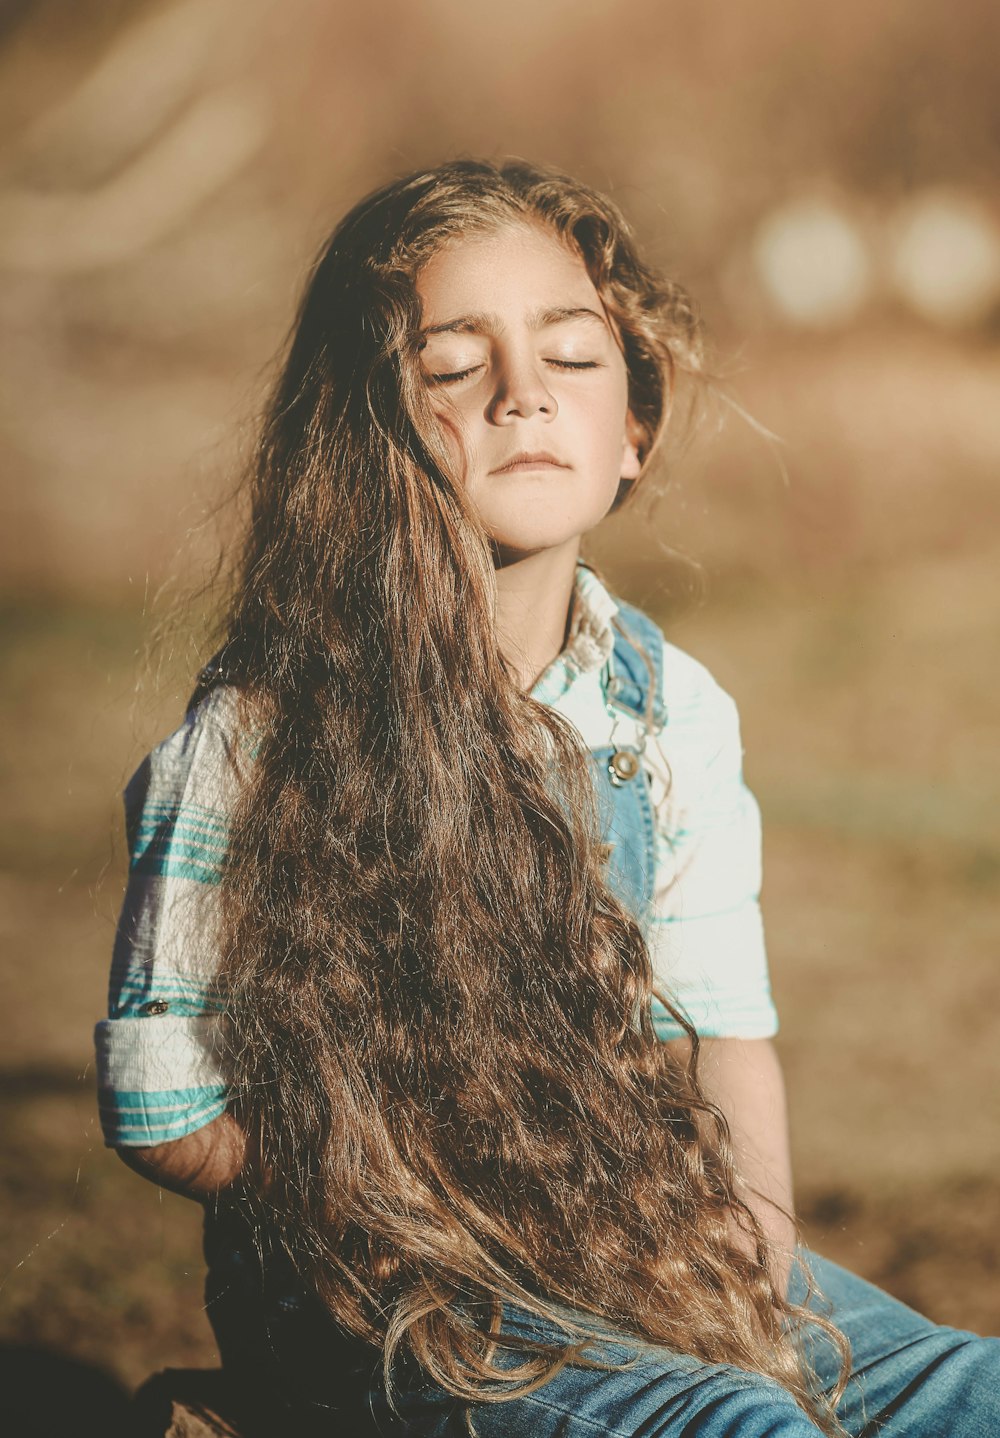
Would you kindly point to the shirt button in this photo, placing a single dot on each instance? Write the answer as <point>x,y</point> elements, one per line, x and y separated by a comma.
<point>155,1006</point>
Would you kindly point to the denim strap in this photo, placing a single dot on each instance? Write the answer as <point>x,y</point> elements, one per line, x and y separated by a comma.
<point>635,686</point>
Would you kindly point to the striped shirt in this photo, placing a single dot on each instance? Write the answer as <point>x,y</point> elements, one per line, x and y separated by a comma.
<point>161,1052</point>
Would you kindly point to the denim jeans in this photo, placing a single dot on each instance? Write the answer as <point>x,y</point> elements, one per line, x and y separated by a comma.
<point>910,1377</point>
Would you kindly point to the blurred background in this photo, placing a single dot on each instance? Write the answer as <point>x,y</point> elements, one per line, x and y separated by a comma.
<point>825,180</point>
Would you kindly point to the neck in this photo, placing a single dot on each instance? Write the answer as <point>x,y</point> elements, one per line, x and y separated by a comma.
<point>533,596</point>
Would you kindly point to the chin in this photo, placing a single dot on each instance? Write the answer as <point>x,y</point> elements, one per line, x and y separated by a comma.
<point>514,540</point>
<point>527,532</point>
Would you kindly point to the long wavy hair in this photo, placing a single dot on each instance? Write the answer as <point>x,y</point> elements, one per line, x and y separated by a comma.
<point>439,1009</point>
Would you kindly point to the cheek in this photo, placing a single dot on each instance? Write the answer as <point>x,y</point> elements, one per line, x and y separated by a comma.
<point>603,419</point>
<point>457,439</point>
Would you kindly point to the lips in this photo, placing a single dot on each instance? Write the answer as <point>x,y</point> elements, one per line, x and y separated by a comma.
<point>530,459</point>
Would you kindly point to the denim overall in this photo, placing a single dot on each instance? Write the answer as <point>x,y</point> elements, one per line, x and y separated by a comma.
<point>633,685</point>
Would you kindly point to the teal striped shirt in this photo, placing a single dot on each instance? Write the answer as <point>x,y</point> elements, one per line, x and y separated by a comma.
<point>161,1053</point>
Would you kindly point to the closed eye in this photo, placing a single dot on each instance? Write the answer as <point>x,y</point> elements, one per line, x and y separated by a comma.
<point>453,376</point>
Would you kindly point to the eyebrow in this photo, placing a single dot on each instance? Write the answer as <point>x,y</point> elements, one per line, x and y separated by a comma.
<point>479,323</point>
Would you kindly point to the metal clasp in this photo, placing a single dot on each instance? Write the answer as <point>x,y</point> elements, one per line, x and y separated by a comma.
<point>623,766</point>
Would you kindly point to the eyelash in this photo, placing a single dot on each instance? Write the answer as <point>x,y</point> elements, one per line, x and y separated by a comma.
<point>464,373</point>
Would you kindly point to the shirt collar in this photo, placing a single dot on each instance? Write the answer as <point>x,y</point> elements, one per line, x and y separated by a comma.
<point>591,637</point>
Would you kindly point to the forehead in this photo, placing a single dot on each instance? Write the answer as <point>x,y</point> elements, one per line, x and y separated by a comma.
<point>513,271</point>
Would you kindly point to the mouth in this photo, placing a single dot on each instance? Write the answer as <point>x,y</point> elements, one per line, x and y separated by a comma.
<point>527,459</point>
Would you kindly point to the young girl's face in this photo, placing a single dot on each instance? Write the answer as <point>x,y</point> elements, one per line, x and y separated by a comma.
<point>529,382</point>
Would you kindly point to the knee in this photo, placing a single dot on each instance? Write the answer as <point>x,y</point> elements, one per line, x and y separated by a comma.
<point>728,1403</point>
<point>946,1381</point>
<point>975,1358</point>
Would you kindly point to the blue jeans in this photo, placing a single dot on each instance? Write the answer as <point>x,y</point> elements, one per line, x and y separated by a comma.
<point>912,1379</point>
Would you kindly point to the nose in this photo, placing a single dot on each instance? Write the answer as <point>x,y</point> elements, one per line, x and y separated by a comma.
<point>521,393</point>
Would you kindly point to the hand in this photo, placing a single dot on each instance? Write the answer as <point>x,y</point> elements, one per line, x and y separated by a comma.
<point>201,1165</point>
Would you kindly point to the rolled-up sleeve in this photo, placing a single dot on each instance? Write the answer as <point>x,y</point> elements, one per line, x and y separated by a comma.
<point>161,1052</point>
<point>707,936</point>
<point>160,1077</point>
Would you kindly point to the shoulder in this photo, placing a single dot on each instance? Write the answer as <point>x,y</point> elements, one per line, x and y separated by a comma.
<point>693,697</point>
<point>700,743</point>
<point>694,703</point>
<point>198,766</point>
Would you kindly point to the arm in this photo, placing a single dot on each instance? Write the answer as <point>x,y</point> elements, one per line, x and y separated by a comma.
<point>201,1165</point>
<point>743,1078</point>
<point>707,938</point>
<point>162,1068</point>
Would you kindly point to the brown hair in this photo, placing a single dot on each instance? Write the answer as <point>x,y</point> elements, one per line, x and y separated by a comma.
<point>440,1011</point>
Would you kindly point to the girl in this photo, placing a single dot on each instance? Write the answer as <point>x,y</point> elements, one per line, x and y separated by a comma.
<point>441,814</point>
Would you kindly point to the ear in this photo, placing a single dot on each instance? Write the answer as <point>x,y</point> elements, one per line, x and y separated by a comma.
<point>631,444</point>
